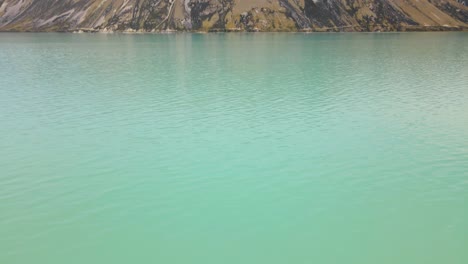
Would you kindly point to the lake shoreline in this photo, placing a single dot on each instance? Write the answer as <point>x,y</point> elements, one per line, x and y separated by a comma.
<point>133,31</point>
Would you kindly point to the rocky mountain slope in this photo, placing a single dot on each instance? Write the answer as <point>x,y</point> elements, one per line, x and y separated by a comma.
<point>232,15</point>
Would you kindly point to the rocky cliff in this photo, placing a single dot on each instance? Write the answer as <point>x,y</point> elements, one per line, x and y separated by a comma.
<point>232,15</point>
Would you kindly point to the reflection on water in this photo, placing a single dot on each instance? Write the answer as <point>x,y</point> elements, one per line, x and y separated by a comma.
<point>234,148</point>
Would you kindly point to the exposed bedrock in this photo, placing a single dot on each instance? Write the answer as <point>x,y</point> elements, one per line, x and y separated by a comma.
<point>232,15</point>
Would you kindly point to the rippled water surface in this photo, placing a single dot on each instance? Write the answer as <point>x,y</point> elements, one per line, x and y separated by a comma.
<point>234,148</point>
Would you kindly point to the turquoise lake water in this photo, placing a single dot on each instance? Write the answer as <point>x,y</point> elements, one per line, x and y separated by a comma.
<point>234,148</point>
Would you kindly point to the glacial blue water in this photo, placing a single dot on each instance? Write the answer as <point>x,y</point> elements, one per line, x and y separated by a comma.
<point>234,148</point>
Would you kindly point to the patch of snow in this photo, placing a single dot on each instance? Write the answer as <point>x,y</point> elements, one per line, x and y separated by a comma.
<point>51,20</point>
<point>14,10</point>
<point>79,17</point>
<point>435,16</point>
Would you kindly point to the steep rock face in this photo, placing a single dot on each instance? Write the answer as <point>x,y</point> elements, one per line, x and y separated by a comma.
<point>232,15</point>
